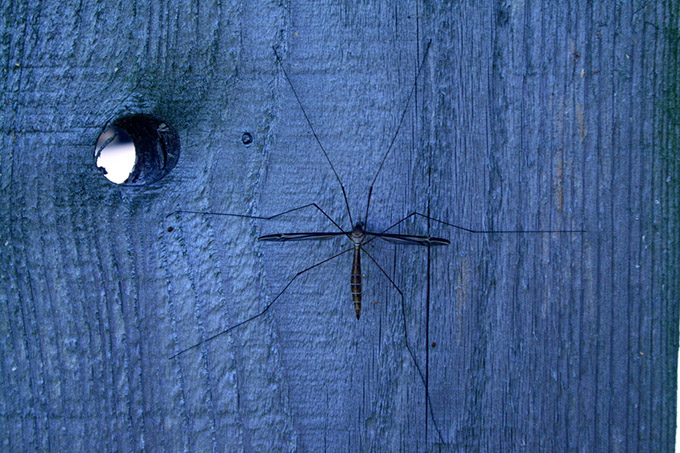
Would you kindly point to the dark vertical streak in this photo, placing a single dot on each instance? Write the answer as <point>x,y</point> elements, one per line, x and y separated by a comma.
<point>639,294</point>
<point>651,423</point>
<point>629,253</point>
<point>573,310</point>
<point>670,230</point>
<point>599,344</point>
<point>418,125</point>
<point>585,423</point>
<point>612,200</point>
<point>427,328</point>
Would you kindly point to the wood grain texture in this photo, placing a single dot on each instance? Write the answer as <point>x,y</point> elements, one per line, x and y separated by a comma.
<point>527,115</point>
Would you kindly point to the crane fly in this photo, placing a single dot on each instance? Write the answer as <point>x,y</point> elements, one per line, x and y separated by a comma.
<point>359,236</point>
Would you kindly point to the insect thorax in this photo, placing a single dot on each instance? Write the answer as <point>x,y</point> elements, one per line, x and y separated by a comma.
<point>358,235</point>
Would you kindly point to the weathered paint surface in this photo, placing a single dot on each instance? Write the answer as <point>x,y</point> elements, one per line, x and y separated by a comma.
<point>548,115</point>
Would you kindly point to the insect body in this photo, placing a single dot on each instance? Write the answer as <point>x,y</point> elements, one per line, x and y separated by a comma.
<point>358,237</point>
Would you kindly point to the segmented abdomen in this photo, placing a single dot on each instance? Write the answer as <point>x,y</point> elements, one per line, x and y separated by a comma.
<point>355,282</point>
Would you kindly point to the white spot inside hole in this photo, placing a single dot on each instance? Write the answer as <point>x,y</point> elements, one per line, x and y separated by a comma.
<point>115,154</point>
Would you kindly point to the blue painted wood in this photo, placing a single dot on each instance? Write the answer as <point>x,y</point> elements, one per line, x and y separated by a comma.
<point>526,115</point>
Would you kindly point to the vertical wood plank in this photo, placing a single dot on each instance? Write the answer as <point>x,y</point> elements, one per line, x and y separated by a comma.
<point>527,115</point>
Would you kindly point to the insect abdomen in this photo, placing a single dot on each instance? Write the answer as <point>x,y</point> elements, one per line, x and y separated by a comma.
<point>355,281</point>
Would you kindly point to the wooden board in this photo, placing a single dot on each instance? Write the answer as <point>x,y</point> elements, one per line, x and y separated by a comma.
<point>526,115</point>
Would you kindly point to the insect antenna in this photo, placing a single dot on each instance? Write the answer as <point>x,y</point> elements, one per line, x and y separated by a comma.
<point>396,132</point>
<point>423,376</point>
<point>316,137</point>
<point>269,305</point>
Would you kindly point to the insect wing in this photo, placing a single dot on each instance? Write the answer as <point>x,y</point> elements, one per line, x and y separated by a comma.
<point>282,237</point>
<point>407,239</point>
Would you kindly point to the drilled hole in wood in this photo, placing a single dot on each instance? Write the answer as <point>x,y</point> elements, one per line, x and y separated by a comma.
<point>246,138</point>
<point>136,150</point>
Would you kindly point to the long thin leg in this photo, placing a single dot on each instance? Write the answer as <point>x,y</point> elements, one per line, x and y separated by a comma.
<point>259,217</point>
<point>269,305</point>
<point>396,132</point>
<point>423,377</point>
<point>316,137</point>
